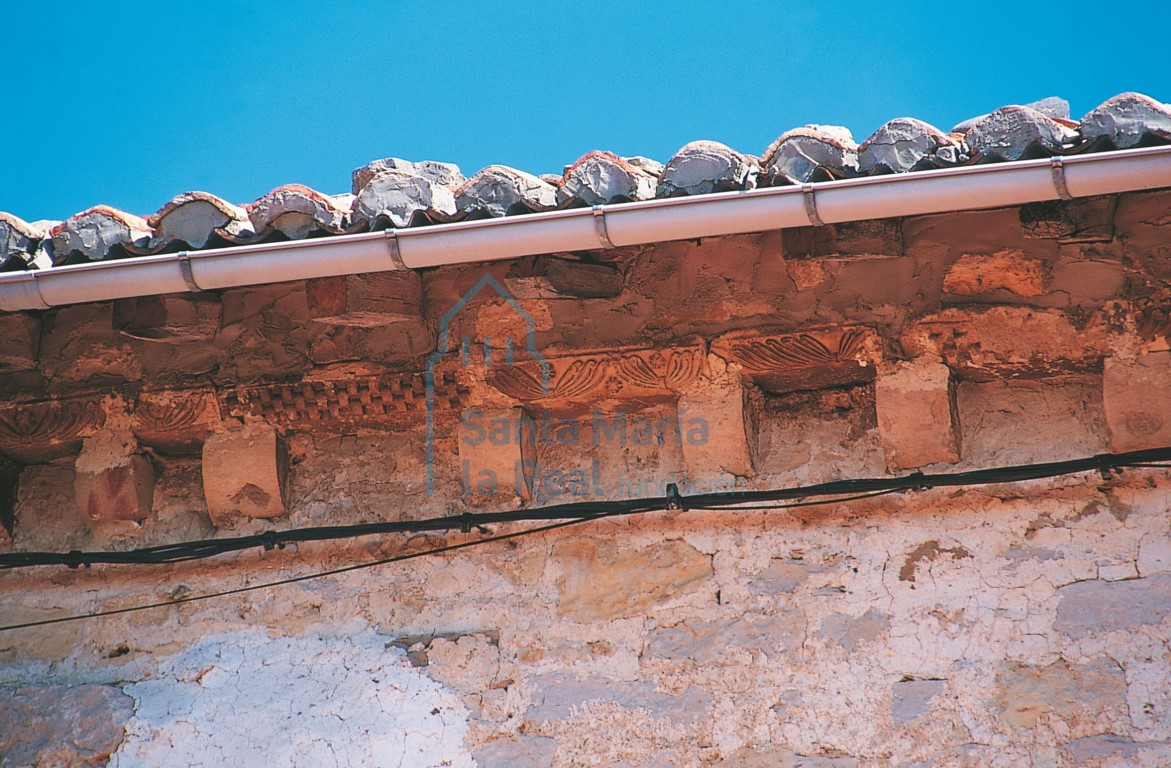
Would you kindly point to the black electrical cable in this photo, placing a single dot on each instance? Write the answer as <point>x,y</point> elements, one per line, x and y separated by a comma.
<point>1103,463</point>
<point>728,501</point>
<point>303,577</point>
<point>360,566</point>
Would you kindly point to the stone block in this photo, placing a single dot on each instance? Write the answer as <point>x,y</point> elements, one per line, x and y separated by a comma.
<point>1007,341</point>
<point>872,237</point>
<point>1085,220</point>
<point>1073,693</point>
<point>779,757</point>
<point>910,699</point>
<point>1098,606</point>
<point>114,486</point>
<point>170,317</point>
<point>366,301</point>
<point>1012,271</point>
<point>245,474</point>
<point>603,581</point>
<point>497,454</point>
<point>559,696</point>
<point>57,725</point>
<point>853,632</point>
<point>9,485</point>
<point>583,279</point>
<point>723,448</point>
<point>1136,395</point>
<point>521,750</point>
<point>917,415</point>
<point>19,339</point>
<point>707,642</point>
<point>1108,749</point>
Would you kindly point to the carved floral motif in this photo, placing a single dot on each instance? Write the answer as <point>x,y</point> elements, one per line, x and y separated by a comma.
<point>638,373</point>
<point>48,422</point>
<point>171,415</point>
<point>804,350</point>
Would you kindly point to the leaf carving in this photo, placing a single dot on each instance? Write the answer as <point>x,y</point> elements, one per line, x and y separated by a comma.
<point>786,352</point>
<point>682,368</point>
<point>518,383</point>
<point>580,377</point>
<point>849,344</point>
<point>45,422</point>
<point>638,371</point>
<point>169,417</point>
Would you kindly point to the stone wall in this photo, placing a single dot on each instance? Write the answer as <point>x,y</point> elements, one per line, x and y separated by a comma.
<point>1005,625</point>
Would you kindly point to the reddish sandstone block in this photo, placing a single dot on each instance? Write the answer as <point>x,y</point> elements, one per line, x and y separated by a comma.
<point>917,415</point>
<point>366,301</point>
<point>714,428</point>
<point>113,485</point>
<point>245,474</point>
<point>972,275</point>
<point>1136,396</point>
<point>170,317</point>
<point>497,454</point>
<point>20,336</point>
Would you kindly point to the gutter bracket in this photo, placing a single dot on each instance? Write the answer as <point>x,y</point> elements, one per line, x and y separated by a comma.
<point>396,254</point>
<point>1057,170</point>
<point>187,273</point>
<point>600,227</point>
<point>811,205</point>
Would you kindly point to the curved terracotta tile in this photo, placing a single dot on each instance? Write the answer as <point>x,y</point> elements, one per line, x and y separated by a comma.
<point>1126,119</point>
<point>906,144</point>
<point>499,190</point>
<point>798,155</point>
<point>443,174</point>
<point>397,197</point>
<point>1015,133</point>
<point>296,211</point>
<point>701,167</point>
<point>23,245</point>
<point>1053,107</point>
<point>94,232</point>
<point>602,177</point>
<point>192,218</point>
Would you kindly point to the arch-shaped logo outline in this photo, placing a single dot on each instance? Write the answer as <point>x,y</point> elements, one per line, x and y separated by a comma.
<point>441,350</point>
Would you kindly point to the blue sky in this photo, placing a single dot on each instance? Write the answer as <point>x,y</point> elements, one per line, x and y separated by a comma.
<point>131,107</point>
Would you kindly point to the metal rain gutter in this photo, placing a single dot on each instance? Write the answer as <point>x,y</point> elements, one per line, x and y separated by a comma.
<point>600,227</point>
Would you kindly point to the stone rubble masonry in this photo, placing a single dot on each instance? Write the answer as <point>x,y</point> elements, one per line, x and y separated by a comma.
<point>917,415</point>
<point>1137,398</point>
<point>245,474</point>
<point>113,484</point>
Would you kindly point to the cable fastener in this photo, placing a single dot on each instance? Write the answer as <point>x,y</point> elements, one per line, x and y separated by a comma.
<point>674,498</point>
<point>1106,467</point>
